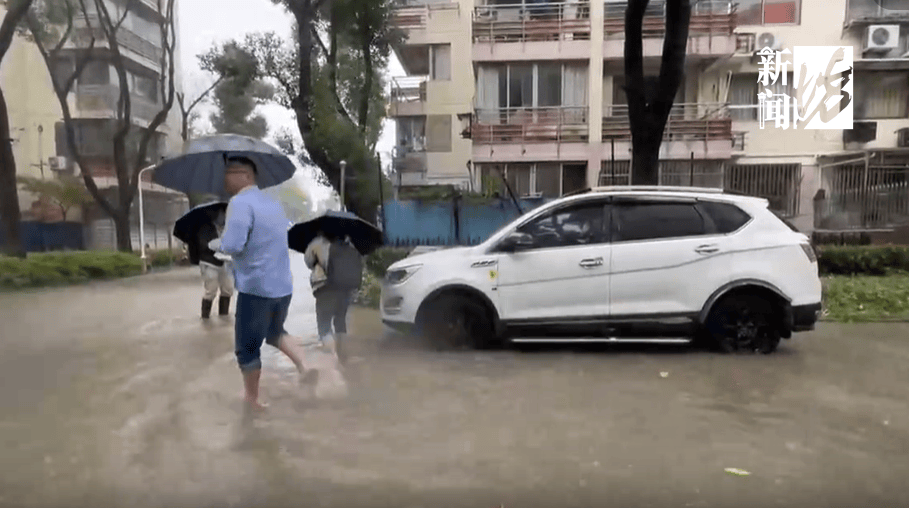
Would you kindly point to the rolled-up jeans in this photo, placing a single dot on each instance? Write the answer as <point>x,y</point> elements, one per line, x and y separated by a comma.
<point>258,318</point>
<point>216,278</point>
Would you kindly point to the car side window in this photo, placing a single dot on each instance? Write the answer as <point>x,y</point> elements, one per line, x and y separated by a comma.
<point>644,220</point>
<point>574,225</point>
<point>726,217</point>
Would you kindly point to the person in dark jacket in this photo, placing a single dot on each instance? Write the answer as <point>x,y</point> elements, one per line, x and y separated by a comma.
<point>216,270</point>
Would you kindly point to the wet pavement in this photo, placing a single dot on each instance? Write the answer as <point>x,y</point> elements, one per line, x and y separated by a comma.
<point>116,394</point>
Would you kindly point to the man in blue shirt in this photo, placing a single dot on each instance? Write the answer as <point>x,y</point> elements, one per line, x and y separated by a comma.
<point>255,236</point>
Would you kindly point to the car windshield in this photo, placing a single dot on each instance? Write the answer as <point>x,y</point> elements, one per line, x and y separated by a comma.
<point>509,224</point>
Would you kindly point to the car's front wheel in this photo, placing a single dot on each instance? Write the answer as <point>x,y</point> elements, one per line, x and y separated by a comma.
<point>456,321</point>
<point>744,323</point>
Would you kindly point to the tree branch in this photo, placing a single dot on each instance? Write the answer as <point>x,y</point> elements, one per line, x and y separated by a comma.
<point>12,18</point>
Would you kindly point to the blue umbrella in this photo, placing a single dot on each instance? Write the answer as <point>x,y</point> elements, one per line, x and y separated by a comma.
<point>187,227</point>
<point>201,166</point>
<point>365,237</point>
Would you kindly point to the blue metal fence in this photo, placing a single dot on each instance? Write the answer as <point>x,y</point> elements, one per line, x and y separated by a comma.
<point>448,223</point>
<point>49,236</point>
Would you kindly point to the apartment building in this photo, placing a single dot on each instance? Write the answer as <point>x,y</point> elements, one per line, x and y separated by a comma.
<point>39,140</point>
<point>533,91</point>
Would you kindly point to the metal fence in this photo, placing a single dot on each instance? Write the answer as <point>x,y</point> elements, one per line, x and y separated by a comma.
<point>856,197</point>
<point>708,17</point>
<point>687,121</point>
<point>530,125</point>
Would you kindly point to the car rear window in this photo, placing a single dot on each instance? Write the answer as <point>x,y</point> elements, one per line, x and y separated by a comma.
<point>725,216</point>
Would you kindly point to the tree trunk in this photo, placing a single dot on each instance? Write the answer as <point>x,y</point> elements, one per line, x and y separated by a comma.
<point>648,114</point>
<point>123,233</point>
<point>9,195</point>
<point>366,48</point>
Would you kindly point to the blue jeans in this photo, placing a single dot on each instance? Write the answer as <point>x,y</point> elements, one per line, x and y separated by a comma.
<point>258,318</point>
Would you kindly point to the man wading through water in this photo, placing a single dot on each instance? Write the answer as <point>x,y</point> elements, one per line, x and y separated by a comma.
<point>255,236</point>
<point>216,271</point>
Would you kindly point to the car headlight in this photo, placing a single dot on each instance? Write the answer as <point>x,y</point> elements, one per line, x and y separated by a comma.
<point>399,275</point>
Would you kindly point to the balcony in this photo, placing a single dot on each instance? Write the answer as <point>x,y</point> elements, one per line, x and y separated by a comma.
<point>557,124</point>
<point>127,39</point>
<point>710,34</point>
<point>863,12</point>
<point>415,15</point>
<point>410,165</point>
<point>408,96</point>
<point>568,21</point>
<point>100,101</point>
<point>699,130</point>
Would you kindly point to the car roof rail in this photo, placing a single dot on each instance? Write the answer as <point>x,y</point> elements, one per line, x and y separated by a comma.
<point>658,188</point>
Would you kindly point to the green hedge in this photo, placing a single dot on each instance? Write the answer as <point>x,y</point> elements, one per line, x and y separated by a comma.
<point>863,260</point>
<point>58,268</point>
<point>378,262</point>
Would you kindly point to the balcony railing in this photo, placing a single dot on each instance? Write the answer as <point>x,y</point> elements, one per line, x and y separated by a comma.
<point>413,15</point>
<point>532,22</point>
<point>567,124</point>
<point>708,17</point>
<point>127,39</point>
<point>104,99</point>
<point>687,122</point>
<point>876,11</point>
<point>408,89</point>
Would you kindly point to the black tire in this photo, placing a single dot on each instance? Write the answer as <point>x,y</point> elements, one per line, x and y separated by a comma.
<point>744,323</point>
<point>457,321</point>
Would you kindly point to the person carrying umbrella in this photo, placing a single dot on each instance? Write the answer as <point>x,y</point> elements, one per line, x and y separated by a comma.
<point>337,270</point>
<point>255,236</point>
<point>216,270</point>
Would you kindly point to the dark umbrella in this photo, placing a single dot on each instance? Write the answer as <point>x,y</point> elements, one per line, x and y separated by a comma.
<point>186,229</point>
<point>201,166</point>
<point>365,237</point>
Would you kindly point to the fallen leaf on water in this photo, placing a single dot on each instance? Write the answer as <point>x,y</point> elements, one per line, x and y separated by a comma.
<point>736,471</point>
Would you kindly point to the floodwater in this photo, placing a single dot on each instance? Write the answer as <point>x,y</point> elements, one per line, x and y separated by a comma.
<point>116,394</point>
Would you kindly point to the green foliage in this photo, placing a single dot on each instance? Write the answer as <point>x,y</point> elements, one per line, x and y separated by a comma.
<point>238,91</point>
<point>378,261</point>
<point>370,292</point>
<point>52,269</point>
<point>857,299</point>
<point>863,260</point>
<point>64,192</point>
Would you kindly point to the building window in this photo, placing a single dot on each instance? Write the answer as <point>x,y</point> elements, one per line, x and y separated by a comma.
<point>858,9</point>
<point>541,179</point>
<point>881,95</point>
<point>144,86</point>
<point>517,87</point>
<point>96,72</point>
<point>411,134</point>
<point>769,12</point>
<point>743,95</point>
<point>440,62</point>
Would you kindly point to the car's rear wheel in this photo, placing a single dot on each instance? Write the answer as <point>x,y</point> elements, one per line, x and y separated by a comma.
<point>744,323</point>
<point>457,321</point>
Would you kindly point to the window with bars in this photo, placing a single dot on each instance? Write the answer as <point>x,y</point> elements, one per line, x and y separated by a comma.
<point>768,12</point>
<point>743,95</point>
<point>543,179</point>
<point>881,95</point>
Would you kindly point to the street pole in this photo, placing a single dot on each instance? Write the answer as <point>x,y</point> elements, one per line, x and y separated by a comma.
<point>343,181</point>
<point>142,222</point>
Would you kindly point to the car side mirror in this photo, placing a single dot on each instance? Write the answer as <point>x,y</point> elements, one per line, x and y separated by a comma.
<point>516,241</point>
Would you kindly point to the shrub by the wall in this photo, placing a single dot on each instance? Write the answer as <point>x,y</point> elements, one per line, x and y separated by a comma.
<point>863,260</point>
<point>379,261</point>
<point>50,269</point>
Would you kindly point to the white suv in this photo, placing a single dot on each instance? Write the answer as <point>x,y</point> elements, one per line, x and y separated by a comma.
<point>641,264</point>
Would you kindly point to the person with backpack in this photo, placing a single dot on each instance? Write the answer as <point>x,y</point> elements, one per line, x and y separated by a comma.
<point>337,271</point>
<point>217,273</point>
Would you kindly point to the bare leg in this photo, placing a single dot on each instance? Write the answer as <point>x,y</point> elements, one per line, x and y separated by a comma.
<point>251,386</point>
<point>286,346</point>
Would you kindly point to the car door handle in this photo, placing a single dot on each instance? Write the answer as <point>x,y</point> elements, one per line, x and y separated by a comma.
<point>592,262</point>
<point>707,249</point>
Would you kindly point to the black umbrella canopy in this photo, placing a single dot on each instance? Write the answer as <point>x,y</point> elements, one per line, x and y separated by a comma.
<point>187,227</point>
<point>365,237</point>
<point>201,166</point>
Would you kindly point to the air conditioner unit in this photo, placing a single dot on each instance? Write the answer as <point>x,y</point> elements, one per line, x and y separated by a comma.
<point>57,163</point>
<point>881,38</point>
<point>768,40</point>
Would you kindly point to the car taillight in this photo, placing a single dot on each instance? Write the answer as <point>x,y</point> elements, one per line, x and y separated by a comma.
<point>809,251</point>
